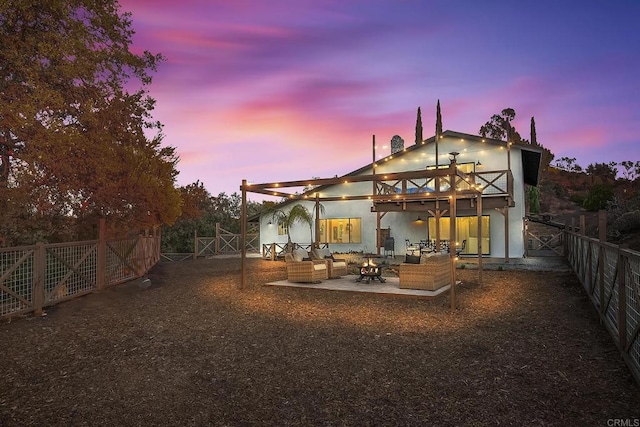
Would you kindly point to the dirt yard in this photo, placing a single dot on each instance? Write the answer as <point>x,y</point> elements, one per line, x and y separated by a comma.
<point>523,348</point>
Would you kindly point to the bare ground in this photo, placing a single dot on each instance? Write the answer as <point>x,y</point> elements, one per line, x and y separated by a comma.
<point>523,348</point>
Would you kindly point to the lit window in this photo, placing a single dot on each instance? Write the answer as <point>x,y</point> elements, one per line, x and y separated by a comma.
<point>341,230</point>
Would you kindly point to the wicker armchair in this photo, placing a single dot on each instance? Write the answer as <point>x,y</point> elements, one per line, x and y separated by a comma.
<point>336,267</point>
<point>310,271</point>
<point>431,274</point>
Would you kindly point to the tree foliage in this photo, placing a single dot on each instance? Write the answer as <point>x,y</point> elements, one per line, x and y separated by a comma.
<point>201,212</point>
<point>630,170</point>
<point>568,164</point>
<point>603,170</point>
<point>533,199</point>
<point>499,127</point>
<point>598,198</point>
<point>297,214</point>
<point>73,126</point>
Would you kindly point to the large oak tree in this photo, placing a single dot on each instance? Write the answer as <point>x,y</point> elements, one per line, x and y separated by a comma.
<point>77,139</point>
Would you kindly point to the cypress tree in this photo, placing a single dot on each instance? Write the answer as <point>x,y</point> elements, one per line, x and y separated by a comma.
<point>419,138</point>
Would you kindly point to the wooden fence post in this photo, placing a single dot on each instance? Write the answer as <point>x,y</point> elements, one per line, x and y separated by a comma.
<point>101,273</point>
<point>243,235</point>
<point>217,237</point>
<point>602,237</point>
<point>195,244</point>
<point>622,299</point>
<point>38,279</point>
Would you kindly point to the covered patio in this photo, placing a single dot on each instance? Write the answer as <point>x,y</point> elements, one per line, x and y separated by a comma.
<point>384,203</point>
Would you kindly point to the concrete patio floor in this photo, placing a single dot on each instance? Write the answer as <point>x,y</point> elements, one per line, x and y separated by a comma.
<point>348,284</point>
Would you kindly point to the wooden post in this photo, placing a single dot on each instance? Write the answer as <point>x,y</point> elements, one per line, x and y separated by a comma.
<point>378,233</point>
<point>195,244</point>
<point>273,252</point>
<point>373,163</point>
<point>437,215</point>
<point>243,235</point>
<point>101,276</point>
<point>602,237</point>
<point>38,280</point>
<point>506,234</point>
<point>452,233</point>
<point>602,225</point>
<point>622,299</point>
<point>317,231</point>
<point>565,243</point>
<point>479,213</point>
<point>217,237</point>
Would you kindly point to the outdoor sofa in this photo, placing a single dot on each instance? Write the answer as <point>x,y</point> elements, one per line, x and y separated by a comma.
<point>301,268</point>
<point>431,273</point>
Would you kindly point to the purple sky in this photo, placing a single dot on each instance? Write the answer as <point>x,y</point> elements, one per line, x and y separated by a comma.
<point>294,89</point>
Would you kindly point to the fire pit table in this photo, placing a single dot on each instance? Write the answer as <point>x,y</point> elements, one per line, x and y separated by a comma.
<point>369,271</point>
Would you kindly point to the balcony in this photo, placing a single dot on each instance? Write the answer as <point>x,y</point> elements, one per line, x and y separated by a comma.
<point>418,193</point>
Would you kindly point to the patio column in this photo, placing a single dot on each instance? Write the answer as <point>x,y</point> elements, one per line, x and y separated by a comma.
<point>317,239</point>
<point>452,231</point>
<point>243,235</point>
<point>479,213</point>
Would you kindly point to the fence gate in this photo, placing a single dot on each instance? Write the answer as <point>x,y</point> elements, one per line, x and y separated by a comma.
<point>543,237</point>
<point>226,242</point>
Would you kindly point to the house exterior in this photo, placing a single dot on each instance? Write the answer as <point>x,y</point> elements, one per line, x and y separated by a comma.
<point>411,196</point>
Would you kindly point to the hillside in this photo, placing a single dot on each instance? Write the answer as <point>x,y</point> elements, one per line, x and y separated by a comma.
<point>562,194</point>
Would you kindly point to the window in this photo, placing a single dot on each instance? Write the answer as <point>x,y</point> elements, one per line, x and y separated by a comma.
<point>341,230</point>
<point>282,229</point>
<point>466,229</point>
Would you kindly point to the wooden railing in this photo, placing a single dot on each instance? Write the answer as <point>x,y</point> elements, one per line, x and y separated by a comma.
<point>488,183</point>
<point>275,251</point>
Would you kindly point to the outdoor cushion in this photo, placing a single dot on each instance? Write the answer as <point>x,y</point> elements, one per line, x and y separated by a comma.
<point>412,259</point>
<point>339,264</point>
<point>319,266</point>
<point>323,253</point>
<point>299,254</point>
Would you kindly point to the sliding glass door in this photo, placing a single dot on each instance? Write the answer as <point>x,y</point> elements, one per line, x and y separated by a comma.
<point>466,230</point>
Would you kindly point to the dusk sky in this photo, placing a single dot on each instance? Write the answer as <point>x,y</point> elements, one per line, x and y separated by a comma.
<point>294,89</point>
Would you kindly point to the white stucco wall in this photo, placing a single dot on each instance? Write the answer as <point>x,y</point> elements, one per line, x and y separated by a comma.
<point>403,224</point>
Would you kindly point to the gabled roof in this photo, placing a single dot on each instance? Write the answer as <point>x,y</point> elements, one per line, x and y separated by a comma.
<point>531,157</point>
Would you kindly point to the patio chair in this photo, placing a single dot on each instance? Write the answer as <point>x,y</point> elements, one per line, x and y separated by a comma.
<point>335,267</point>
<point>431,274</point>
<point>411,247</point>
<point>301,268</point>
<point>460,249</point>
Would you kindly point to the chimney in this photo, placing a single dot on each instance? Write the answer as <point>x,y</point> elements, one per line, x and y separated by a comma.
<point>397,144</point>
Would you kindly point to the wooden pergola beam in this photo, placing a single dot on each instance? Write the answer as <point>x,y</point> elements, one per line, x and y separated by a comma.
<point>350,179</point>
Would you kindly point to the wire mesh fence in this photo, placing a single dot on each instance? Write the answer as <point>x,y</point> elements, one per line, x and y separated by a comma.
<point>611,277</point>
<point>37,276</point>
